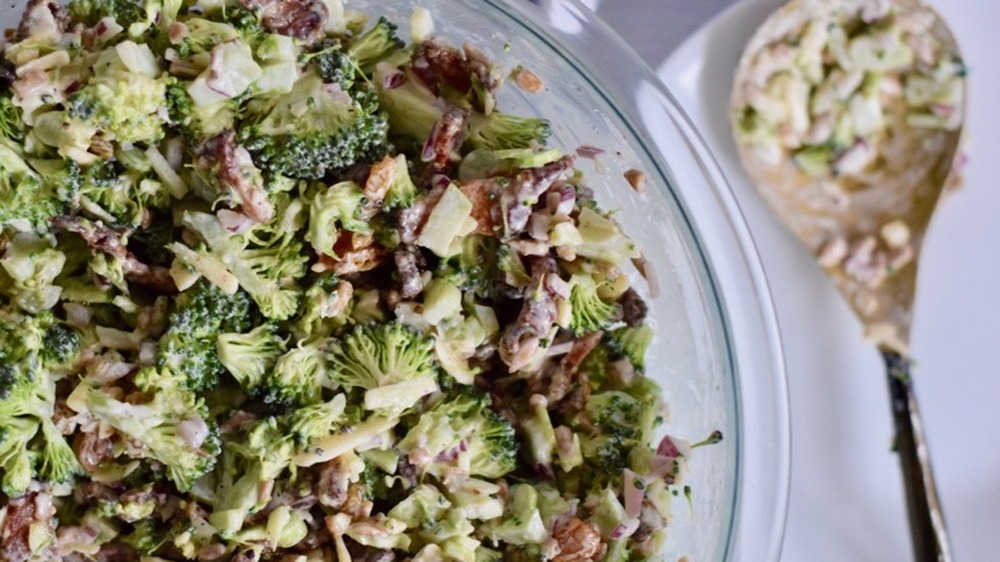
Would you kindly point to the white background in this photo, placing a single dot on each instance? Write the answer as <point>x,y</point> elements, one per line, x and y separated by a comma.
<point>846,500</point>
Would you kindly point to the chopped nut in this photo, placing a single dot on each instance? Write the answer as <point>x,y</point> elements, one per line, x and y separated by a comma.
<point>527,80</point>
<point>636,179</point>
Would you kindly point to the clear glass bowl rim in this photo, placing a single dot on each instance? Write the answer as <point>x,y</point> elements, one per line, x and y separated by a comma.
<point>757,528</point>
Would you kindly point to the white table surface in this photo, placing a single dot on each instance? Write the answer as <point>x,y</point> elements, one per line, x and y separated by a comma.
<point>846,501</point>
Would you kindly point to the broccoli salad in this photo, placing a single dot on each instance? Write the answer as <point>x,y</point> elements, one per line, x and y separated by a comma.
<point>833,89</point>
<point>279,285</point>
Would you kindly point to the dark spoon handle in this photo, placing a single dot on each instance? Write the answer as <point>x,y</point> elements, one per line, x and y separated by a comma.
<point>927,530</point>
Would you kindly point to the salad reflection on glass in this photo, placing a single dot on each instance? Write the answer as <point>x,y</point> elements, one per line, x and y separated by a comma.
<point>277,283</point>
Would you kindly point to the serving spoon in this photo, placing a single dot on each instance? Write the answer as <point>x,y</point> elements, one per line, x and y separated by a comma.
<point>865,222</point>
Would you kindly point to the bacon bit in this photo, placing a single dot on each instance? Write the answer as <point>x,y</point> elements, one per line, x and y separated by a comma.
<point>236,171</point>
<point>437,64</point>
<point>357,261</point>
<point>636,179</point>
<point>527,80</point>
<point>17,527</point>
<point>302,19</point>
<point>481,193</point>
<point>106,240</point>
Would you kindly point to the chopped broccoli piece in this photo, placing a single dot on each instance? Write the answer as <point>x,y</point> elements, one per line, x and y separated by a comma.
<point>311,131</point>
<point>522,523</point>
<point>32,265</point>
<point>26,202</point>
<point>322,310</point>
<point>590,313</point>
<point>632,343</point>
<point>123,104</point>
<point>333,65</point>
<point>203,35</point>
<point>190,345</point>
<point>266,269</point>
<point>338,206</point>
<point>61,346</point>
<point>378,355</point>
<point>375,45</point>
<point>173,426</point>
<point>30,444</point>
<point>124,12</point>
<point>297,378</point>
<point>392,362</point>
<point>251,356</point>
<point>145,538</point>
<point>463,430</point>
<point>11,122</point>
<point>502,131</point>
<point>246,23</point>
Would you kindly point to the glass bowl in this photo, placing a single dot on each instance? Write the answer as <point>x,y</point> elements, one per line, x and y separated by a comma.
<point>717,353</point>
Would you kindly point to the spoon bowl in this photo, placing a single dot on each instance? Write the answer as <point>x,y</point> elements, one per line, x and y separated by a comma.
<point>848,118</point>
<point>862,205</point>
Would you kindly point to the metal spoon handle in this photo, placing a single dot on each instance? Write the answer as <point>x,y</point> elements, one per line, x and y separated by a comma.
<point>927,529</point>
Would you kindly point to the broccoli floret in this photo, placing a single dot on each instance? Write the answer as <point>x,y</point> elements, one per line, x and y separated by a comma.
<point>464,429</point>
<point>26,202</point>
<point>30,444</point>
<point>318,420</point>
<point>632,343</point>
<point>589,312</point>
<point>332,64</point>
<point>124,12</point>
<point>500,131</point>
<point>266,269</point>
<point>61,346</point>
<point>173,426</point>
<point>375,45</point>
<point>197,122</point>
<point>338,206</point>
<point>247,461</point>
<point>326,306</point>
<point>476,268</point>
<point>260,454</point>
<point>251,356</point>
<point>373,356</point>
<point>124,105</point>
<point>31,264</point>
<point>297,377</point>
<point>203,35</point>
<point>145,538</point>
<point>11,122</point>
<point>311,131</point>
<point>246,23</point>
<point>190,345</point>
<point>116,198</point>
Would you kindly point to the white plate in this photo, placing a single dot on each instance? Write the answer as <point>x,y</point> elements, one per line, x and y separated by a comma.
<point>846,494</point>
